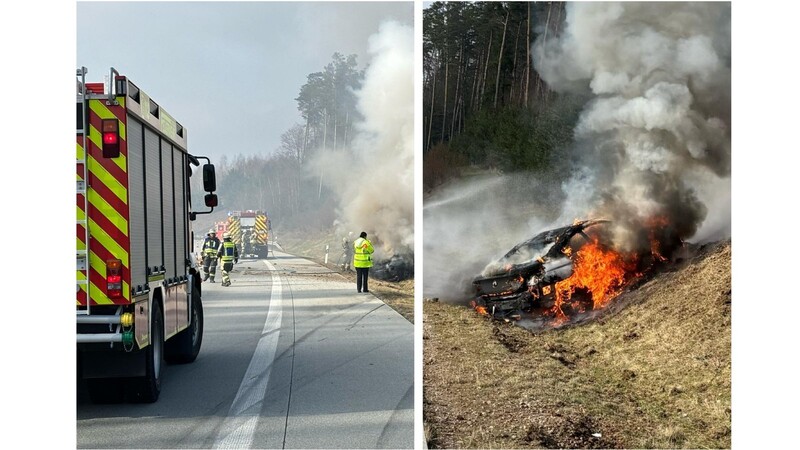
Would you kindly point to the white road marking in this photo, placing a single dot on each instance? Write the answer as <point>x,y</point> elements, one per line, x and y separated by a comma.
<point>238,428</point>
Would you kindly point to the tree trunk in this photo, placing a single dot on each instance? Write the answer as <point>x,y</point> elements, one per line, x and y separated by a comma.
<point>457,90</point>
<point>500,59</point>
<point>539,87</point>
<point>433,97</point>
<point>346,125</point>
<point>335,127</point>
<point>528,57</point>
<point>305,144</point>
<point>444,99</point>
<point>514,64</point>
<point>325,129</point>
<point>485,70</point>
<point>476,82</point>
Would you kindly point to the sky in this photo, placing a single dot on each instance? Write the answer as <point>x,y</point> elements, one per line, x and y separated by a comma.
<point>228,71</point>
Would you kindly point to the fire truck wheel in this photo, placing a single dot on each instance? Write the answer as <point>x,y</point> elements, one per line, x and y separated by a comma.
<point>147,388</point>
<point>184,347</point>
<point>105,390</point>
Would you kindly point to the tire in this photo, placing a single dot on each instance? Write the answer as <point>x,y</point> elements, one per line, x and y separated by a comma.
<point>146,389</point>
<point>106,390</point>
<point>185,346</point>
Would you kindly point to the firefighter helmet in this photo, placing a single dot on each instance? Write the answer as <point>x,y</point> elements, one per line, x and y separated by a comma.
<point>210,232</point>
<point>226,236</point>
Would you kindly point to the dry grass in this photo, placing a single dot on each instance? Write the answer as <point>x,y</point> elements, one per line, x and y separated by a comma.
<point>397,295</point>
<point>654,374</point>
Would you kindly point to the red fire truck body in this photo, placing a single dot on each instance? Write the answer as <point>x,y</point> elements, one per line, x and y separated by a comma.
<point>138,290</point>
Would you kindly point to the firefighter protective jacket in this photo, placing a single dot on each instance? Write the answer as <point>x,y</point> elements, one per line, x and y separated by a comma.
<point>228,252</point>
<point>210,246</point>
<point>362,258</point>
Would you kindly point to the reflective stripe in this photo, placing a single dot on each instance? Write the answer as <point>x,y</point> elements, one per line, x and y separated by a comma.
<point>228,251</point>
<point>210,247</point>
<point>108,180</point>
<point>261,233</point>
<point>106,195</point>
<point>110,244</point>
<point>108,211</point>
<point>362,255</point>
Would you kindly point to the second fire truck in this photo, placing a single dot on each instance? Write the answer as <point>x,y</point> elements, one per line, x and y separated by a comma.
<point>250,231</point>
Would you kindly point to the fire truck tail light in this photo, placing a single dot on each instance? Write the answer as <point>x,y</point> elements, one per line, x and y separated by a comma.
<point>110,130</point>
<point>114,278</point>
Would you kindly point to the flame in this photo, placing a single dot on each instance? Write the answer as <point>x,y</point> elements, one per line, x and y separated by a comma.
<point>600,271</point>
<point>481,309</point>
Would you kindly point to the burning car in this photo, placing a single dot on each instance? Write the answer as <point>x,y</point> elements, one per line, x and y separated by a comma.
<point>525,278</point>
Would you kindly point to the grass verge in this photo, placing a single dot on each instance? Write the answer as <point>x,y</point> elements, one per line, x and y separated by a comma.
<point>655,374</point>
<point>315,246</point>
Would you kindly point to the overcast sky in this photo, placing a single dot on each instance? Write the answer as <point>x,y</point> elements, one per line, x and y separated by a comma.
<point>228,71</point>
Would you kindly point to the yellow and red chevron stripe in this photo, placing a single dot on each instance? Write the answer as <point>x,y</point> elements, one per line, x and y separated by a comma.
<point>234,229</point>
<point>108,212</point>
<point>261,228</point>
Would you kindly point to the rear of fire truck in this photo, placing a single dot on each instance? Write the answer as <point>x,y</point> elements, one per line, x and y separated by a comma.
<point>138,290</point>
<point>259,233</point>
<point>250,231</point>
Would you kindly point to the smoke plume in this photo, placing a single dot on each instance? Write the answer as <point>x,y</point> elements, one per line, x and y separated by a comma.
<point>654,142</point>
<point>374,179</point>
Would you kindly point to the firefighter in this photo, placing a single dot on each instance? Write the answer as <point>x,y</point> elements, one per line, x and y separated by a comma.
<point>229,254</point>
<point>362,261</point>
<point>253,241</point>
<point>210,246</point>
<point>246,248</point>
<point>347,250</point>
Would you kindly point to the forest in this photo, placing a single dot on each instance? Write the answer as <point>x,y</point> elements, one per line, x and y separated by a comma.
<point>484,104</point>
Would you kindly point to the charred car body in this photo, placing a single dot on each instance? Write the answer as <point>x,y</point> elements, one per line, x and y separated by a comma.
<point>525,277</point>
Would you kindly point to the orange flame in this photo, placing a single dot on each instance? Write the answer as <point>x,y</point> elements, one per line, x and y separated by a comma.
<point>481,309</point>
<point>601,272</point>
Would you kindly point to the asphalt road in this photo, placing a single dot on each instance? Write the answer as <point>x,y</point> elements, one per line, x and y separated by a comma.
<point>292,357</point>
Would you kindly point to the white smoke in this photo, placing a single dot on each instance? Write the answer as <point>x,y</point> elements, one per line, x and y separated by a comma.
<point>374,178</point>
<point>656,138</point>
<point>471,223</point>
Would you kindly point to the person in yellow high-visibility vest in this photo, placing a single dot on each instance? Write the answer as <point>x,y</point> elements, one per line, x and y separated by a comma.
<point>229,254</point>
<point>362,261</point>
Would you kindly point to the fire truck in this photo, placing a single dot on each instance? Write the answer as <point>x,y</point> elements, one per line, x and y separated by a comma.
<point>250,231</point>
<point>220,228</point>
<point>138,288</point>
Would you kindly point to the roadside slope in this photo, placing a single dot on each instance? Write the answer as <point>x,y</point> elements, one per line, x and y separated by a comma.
<point>312,245</point>
<point>654,374</point>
